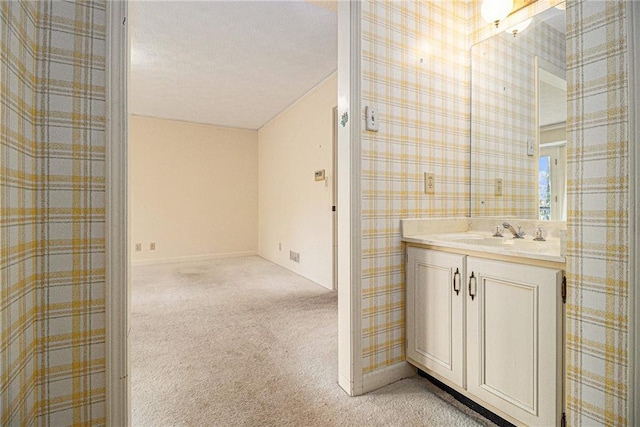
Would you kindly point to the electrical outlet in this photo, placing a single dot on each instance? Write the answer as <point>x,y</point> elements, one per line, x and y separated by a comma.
<point>498,187</point>
<point>279,246</point>
<point>152,246</point>
<point>429,183</point>
<point>138,247</point>
<point>294,256</point>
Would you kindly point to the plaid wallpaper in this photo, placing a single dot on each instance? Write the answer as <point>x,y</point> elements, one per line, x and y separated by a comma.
<point>598,223</point>
<point>52,190</point>
<point>503,118</point>
<point>18,202</point>
<point>52,193</point>
<point>424,127</point>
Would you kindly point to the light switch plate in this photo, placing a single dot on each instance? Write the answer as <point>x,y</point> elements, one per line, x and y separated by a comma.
<point>498,187</point>
<point>371,114</point>
<point>530,151</point>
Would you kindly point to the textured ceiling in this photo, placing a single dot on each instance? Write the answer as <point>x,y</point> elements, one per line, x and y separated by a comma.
<point>228,63</point>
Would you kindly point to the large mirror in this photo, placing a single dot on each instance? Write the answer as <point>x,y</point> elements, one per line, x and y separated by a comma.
<point>518,121</point>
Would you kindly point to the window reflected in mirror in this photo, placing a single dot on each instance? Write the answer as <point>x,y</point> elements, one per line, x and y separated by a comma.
<point>551,93</point>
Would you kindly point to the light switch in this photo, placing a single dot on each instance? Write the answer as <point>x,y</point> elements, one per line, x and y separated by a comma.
<point>372,118</point>
<point>498,187</point>
<point>530,151</point>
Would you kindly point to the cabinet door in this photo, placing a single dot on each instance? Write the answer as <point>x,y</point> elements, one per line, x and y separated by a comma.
<point>435,313</point>
<point>514,323</point>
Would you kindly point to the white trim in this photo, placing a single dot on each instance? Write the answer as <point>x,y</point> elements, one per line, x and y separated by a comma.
<point>306,95</point>
<point>633,49</point>
<point>186,258</point>
<point>221,127</point>
<point>387,375</point>
<point>355,229</point>
<point>348,206</point>
<point>116,236</point>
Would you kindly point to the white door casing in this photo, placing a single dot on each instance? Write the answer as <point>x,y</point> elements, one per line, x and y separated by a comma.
<point>117,223</point>
<point>116,234</point>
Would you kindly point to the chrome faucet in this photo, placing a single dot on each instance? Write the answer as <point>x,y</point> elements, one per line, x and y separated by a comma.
<point>516,234</point>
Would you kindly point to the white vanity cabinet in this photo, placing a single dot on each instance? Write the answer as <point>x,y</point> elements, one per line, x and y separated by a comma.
<point>499,341</point>
<point>435,317</point>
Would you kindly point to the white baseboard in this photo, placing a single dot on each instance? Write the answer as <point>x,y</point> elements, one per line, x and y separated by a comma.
<point>192,258</point>
<point>387,375</point>
<point>299,273</point>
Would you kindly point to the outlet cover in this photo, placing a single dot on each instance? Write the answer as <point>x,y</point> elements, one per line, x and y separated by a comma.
<point>294,256</point>
<point>138,247</point>
<point>152,246</point>
<point>498,187</point>
<point>429,183</point>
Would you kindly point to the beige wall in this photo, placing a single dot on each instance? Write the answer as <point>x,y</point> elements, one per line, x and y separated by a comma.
<point>295,210</point>
<point>194,189</point>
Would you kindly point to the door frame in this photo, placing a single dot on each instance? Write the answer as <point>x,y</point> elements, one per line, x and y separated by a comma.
<point>633,49</point>
<point>116,212</point>
<point>350,376</point>
<point>334,198</point>
<point>117,257</point>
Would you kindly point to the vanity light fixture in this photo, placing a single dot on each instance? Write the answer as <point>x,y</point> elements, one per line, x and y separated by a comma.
<point>517,29</point>
<point>495,11</point>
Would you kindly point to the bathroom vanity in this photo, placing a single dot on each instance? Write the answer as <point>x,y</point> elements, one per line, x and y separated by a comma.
<point>485,315</point>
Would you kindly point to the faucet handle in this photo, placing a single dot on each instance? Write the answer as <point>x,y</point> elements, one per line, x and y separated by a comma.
<point>498,232</point>
<point>520,232</point>
<point>539,235</point>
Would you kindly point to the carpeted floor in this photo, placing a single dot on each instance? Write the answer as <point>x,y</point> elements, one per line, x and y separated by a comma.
<point>245,342</point>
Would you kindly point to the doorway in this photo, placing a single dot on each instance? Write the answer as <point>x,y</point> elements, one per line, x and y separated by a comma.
<point>284,247</point>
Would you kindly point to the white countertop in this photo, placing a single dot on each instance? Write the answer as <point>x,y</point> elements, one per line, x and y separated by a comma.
<point>484,242</point>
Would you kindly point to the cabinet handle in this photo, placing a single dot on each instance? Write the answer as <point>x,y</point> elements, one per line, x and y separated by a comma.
<point>456,281</point>
<point>472,279</point>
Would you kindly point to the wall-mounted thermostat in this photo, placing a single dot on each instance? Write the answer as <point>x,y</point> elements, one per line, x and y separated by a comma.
<point>319,175</point>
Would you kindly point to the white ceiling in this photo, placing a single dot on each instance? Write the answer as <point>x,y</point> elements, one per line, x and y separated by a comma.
<point>228,63</point>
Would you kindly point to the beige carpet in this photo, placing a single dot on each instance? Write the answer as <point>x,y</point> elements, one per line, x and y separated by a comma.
<point>245,342</point>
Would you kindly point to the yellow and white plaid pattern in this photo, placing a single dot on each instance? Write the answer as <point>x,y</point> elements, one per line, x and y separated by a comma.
<point>503,119</point>
<point>598,223</point>
<point>52,193</point>
<point>424,127</point>
<point>52,188</point>
<point>18,214</point>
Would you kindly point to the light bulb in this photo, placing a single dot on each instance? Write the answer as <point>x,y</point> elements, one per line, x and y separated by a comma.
<point>516,29</point>
<point>496,10</point>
